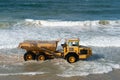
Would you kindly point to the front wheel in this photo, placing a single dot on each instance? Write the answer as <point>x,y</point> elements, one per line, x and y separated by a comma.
<point>71,58</point>
<point>29,56</point>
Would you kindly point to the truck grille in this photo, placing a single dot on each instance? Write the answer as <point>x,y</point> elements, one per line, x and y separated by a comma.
<point>83,51</point>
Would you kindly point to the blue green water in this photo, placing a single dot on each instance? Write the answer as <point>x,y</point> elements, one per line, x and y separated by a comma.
<point>95,22</point>
<point>60,9</point>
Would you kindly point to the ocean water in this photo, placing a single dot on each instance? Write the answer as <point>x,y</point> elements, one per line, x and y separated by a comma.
<point>95,22</point>
<point>60,9</point>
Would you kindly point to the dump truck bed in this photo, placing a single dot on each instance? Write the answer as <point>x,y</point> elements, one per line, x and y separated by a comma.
<point>31,45</point>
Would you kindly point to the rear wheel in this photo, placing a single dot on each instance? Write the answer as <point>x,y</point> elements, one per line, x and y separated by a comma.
<point>41,57</point>
<point>29,56</point>
<point>71,58</point>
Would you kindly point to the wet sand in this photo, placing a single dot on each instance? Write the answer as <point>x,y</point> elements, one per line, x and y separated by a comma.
<point>13,59</point>
<point>114,75</point>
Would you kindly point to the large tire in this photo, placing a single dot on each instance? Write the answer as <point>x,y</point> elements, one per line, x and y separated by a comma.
<point>29,56</point>
<point>71,58</point>
<point>41,57</point>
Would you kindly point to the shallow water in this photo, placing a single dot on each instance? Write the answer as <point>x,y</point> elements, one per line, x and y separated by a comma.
<point>103,60</point>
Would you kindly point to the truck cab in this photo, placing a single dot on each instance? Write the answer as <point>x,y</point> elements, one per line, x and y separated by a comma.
<point>73,51</point>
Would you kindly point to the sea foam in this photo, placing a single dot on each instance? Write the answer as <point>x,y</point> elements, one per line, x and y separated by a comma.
<point>84,68</point>
<point>56,23</point>
<point>23,73</point>
<point>98,33</point>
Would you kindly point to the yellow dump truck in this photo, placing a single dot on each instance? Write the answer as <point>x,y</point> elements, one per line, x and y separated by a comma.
<point>42,50</point>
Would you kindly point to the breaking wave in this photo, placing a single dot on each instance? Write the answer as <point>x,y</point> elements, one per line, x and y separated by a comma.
<point>100,33</point>
<point>4,24</point>
<point>57,23</point>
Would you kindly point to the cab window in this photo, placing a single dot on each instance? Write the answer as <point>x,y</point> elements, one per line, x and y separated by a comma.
<point>73,43</point>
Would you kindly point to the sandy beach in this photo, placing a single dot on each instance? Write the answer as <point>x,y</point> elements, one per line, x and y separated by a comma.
<point>25,70</point>
<point>114,75</point>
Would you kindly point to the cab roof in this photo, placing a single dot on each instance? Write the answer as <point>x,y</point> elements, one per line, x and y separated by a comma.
<point>73,39</point>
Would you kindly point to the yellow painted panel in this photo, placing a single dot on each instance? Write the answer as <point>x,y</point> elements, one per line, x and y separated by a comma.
<point>82,56</point>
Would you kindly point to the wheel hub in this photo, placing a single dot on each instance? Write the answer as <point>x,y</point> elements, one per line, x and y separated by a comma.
<point>42,58</point>
<point>29,57</point>
<point>72,59</point>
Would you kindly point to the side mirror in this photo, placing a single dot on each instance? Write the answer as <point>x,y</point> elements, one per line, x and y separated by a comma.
<point>64,45</point>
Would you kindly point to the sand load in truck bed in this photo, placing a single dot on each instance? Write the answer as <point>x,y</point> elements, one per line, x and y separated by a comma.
<point>31,45</point>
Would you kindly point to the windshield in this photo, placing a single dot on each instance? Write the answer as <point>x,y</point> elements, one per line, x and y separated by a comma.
<point>73,43</point>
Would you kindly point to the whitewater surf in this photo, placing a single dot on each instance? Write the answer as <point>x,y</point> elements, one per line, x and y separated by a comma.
<point>96,34</point>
